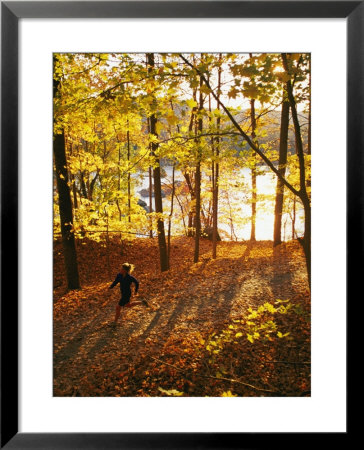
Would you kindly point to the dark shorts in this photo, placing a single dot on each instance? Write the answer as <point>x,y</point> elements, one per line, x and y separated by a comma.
<point>124,300</point>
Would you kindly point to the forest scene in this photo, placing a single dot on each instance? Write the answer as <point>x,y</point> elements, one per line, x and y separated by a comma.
<point>181,225</point>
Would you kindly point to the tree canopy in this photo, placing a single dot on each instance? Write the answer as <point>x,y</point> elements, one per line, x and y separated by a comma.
<point>130,120</point>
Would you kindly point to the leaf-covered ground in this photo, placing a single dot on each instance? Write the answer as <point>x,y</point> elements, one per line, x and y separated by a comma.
<point>235,326</point>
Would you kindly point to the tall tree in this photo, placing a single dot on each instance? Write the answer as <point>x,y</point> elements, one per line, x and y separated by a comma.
<point>190,181</point>
<point>150,177</point>
<point>157,182</point>
<point>198,179</point>
<point>303,195</point>
<point>171,212</point>
<point>129,175</point>
<point>253,171</point>
<point>215,192</point>
<point>65,203</point>
<point>282,162</point>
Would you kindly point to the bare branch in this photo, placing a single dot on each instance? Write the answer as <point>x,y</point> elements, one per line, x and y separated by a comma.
<point>245,136</point>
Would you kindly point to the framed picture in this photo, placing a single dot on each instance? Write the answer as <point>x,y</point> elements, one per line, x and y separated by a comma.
<point>36,415</point>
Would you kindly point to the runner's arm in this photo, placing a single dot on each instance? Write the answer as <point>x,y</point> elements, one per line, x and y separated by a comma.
<point>115,282</point>
<point>136,282</point>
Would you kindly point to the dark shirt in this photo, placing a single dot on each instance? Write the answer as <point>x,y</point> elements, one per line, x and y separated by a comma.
<point>125,283</point>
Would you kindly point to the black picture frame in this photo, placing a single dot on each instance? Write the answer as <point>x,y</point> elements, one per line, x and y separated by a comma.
<point>11,12</point>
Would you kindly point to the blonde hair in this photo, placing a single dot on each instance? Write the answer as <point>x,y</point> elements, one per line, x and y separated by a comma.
<point>128,267</point>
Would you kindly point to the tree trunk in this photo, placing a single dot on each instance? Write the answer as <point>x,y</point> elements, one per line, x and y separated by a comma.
<point>232,231</point>
<point>92,185</point>
<point>183,214</point>
<point>65,211</point>
<point>283,148</point>
<point>157,185</point>
<point>309,111</point>
<point>150,176</point>
<point>215,194</point>
<point>170,215</point>
<point>197,211</point>
<point>306,241</point>
<point>83,185</point>
<point>309,119</point>
<point>129,177</point>
<point>65,205</point>
<point>107,245</point>
<point>294,218</point>
<point>72,182</point>
<point>74,192</point>
<point>150,200</point>
<point>191,212</point>
<point>119,178</point>
<point>191,188</point>
<point>198,184</point>
<point>253,172</point>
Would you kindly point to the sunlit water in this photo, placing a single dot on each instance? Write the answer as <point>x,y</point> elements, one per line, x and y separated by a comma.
<point>240,207</point>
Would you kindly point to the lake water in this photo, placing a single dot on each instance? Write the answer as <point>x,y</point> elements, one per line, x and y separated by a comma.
<point>237,200</point>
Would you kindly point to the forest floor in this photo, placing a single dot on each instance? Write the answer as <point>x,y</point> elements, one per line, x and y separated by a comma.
<point>238,325</point>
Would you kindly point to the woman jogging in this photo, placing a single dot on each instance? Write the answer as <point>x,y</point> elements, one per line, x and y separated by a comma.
<point>126,280</point>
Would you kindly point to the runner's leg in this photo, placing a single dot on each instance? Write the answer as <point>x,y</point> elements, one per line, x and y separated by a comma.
<point>117,313</point>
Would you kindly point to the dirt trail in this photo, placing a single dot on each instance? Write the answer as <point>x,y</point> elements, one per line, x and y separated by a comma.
<point>190,298</point>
